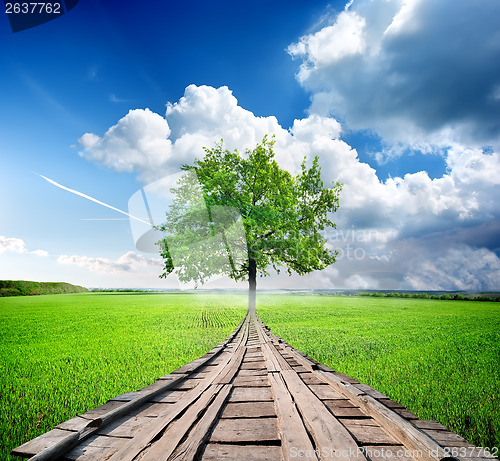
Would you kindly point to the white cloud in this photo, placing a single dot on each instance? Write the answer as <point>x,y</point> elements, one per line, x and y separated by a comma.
<point>460,268</point>
<point>415,71</point>
<point>128,262</point>
<point>401,209</point>
<point>138,142</point>
<point>332,43</point>
<point>15,245</point>
<point>12,244</point>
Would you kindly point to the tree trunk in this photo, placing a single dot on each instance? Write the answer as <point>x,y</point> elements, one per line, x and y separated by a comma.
<point>252,285</point>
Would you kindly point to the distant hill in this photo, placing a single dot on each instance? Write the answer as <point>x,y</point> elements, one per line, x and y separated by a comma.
<point>24,288</point>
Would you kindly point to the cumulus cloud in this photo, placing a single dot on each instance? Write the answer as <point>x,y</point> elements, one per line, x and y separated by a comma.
<point>414,71</point>
<point>390,214</point>
<point>16,245</point>
<point>460,268</point>
<point>153,145</point>
<point>126,263</point>
<point>139,141</point>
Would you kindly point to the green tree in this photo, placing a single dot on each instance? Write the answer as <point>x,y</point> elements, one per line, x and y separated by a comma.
<point>281,215</point>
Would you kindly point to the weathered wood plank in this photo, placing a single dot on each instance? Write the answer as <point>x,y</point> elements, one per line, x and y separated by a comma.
<point>325,429</point>
<point>310,378</point>
<point>293,433</point>
<point>74,424</point>
<point>125,426</point>
<point>151,410</point>
<point>43,442</point>
<point>221,452</point>
<point>325,392</point>
<point>200,433</point>
<point>245,373</point>
<point>251,381</point>
<point>343,411</point>
<point>430,424</point>
<point>251,394</point>
<point>94,448</point>
<point>248,410</point>
<point>367,434</point>
<point>250,430</point>
<point>448,439</point>
<point>370,391</point>
<point>260,365</point>
<point>171,437</point>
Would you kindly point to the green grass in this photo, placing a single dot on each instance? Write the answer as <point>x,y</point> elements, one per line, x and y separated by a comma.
<point>61,355</point>
<point>440,359</point>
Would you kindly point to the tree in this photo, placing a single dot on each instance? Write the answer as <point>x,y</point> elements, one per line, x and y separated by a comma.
<point>280,216</point>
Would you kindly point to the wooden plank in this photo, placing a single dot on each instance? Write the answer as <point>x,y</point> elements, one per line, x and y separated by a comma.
<point>368,434</point>
<point>405,413</point>
<point>244,373</point>
<point>199,434</point>
<point>171,437</point>
<point>188,384</point>
<point>254,358</point>
<point>448,439</point>
<point>256,430</point>
<point>293,433</point>
<point>74,424</point>
<point>102,410</point>
<point>344,408</point>
<point>44,442</point>
<point>248,410</point>
<point>370,391</point>
<point>125,426</point>
<point>221,452</point>
<point>251,381</point>
<point>260,365</point>
<point>253,354</point>
<point>94,448</point>
<point>151,410</point>
<point>251,394</point>
<point>324,392</point>
<point>168,397</point>
<point>430,424</point>
<point>310,378</point>
<point>325,429</point>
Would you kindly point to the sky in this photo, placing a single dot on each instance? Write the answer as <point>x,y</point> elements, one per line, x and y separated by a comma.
<point>400,99</point>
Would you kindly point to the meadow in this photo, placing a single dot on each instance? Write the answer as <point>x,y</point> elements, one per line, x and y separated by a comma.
<point>63,354</point>
<point>440,359</point>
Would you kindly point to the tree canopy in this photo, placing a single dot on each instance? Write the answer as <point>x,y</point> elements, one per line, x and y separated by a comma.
<point>248,211</point>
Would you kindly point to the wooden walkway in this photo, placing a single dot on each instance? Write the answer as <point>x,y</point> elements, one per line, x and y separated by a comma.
<point>253,397</point>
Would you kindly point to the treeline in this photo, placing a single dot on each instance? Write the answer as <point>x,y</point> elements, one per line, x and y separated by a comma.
<point>118,290</point>
<point>457,296</point>
<point>25,288</point>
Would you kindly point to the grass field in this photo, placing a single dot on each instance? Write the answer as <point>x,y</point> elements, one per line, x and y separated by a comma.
<point>440,359</point>
<point>63,354</point>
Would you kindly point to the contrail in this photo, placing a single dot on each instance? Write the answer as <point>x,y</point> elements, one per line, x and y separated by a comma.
<point>92,199</point>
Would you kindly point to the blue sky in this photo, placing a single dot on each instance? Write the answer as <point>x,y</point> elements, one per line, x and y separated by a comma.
<point>400,99</point>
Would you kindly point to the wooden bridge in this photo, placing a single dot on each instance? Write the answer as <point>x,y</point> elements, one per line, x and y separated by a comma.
<point>253,397</point>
